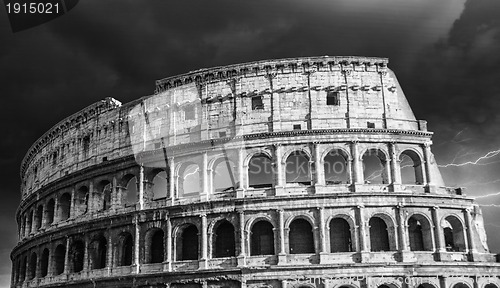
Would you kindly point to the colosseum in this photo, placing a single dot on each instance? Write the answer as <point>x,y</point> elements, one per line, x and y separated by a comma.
<point>305,172</point>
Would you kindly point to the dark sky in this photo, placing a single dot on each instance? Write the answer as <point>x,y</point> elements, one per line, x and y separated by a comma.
<point>445,54</point>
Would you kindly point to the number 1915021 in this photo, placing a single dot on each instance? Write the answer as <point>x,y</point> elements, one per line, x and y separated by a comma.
<point>32,8</point>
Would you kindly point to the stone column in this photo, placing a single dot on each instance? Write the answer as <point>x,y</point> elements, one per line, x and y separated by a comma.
<point>66,257</point>
<point>322,234</point>
<point>109,261</point>
<point>137,244</point>
<point>141,187</point>
<point>357,168</point>
<point>168,266</point>
<point>205,178</point>
<point>279,173</point>
<point>240,191</point>
<point>470,232</point>
<point>404,248</point>
<point>281,236</point>
<point>172,179</point>
<point>363,241</point>
<point>319,168</point>
<point>395,164</point>
<point>115,195</point>
<point>56,217</point>
<point>204,243</point>
<point>427,163</point>
<point>93,199</point>
<point>86,255</point>
<point>438,232</point>
<point>242,256</point>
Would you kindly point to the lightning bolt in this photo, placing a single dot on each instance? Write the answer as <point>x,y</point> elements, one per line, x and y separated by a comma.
<point>488,155</point>
<point>192,173</point>
<point>488,195</point>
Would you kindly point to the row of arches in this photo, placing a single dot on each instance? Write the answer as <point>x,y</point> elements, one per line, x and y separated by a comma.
<point>262,239</point>
<point>188,182</point>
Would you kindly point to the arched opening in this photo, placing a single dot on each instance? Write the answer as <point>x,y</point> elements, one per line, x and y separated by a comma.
<point>419,233</point>
<point>49,211</point>
<point>76,253</point>
<point>335,166</point>
<point>32,267</point>
<point>160,185</point>
<point>374,167</point>
<point>224,178</point>
<point>189,181</point>
<point>59,255</point>
<point>224,240</point>
<point>411,168</point>
<point>44,263</point>
<point>490,285</point>
<point>65,206</point>
<point>379,236</point>
<point>82,200</point>
<point>106,189</point>
<point>460,285</point>
<point>38,217</point>
<point>298,169</point>
<point>260,172</point>
<point>301,238</point>
<point>187,243</point>
<point>98,249</point>
<point>131,191</point>
<point>425,285</point>
<point>125,249</point>
<point>453,234</point>
<point>340,236</point>
<point>156,248</point>
<point>262,239</point>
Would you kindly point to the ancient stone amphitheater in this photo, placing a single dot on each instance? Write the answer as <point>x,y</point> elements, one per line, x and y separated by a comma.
<point>307,172</point>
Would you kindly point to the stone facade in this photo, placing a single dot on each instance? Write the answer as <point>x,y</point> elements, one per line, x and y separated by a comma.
<point>250,175</point>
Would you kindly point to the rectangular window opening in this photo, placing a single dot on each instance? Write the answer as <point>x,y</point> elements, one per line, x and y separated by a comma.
<point>297,127</point>
<point>257,103</point>
<point>370,124</point>
<point>333,98</point>
<point>222,134</point>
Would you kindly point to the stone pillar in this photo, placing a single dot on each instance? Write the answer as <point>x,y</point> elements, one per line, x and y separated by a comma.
<point>319,173</point>
<point>86,255</point>
<point>404,248</point>
<point>322,234</point>
<point>92,201</point>
<point>427,162</point>
<point>137,244</point>
<point>141,187</point>
<point>168,266</point>
<point>56,217</point>
<point>280,173</point>
<point>470,233</point>
<point>109,252</point>
<point>281,236</point>
<point>205,179</point>
<point>240,191</point>
<point>242,256</point>
<point>115,195</point>
<point>66,256</point>
<point>438,232</point>
<point>395,164</point>
<point>204,243</point>
<point>172,179</point>
<point>363,241</point>
<point>357,168</point>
